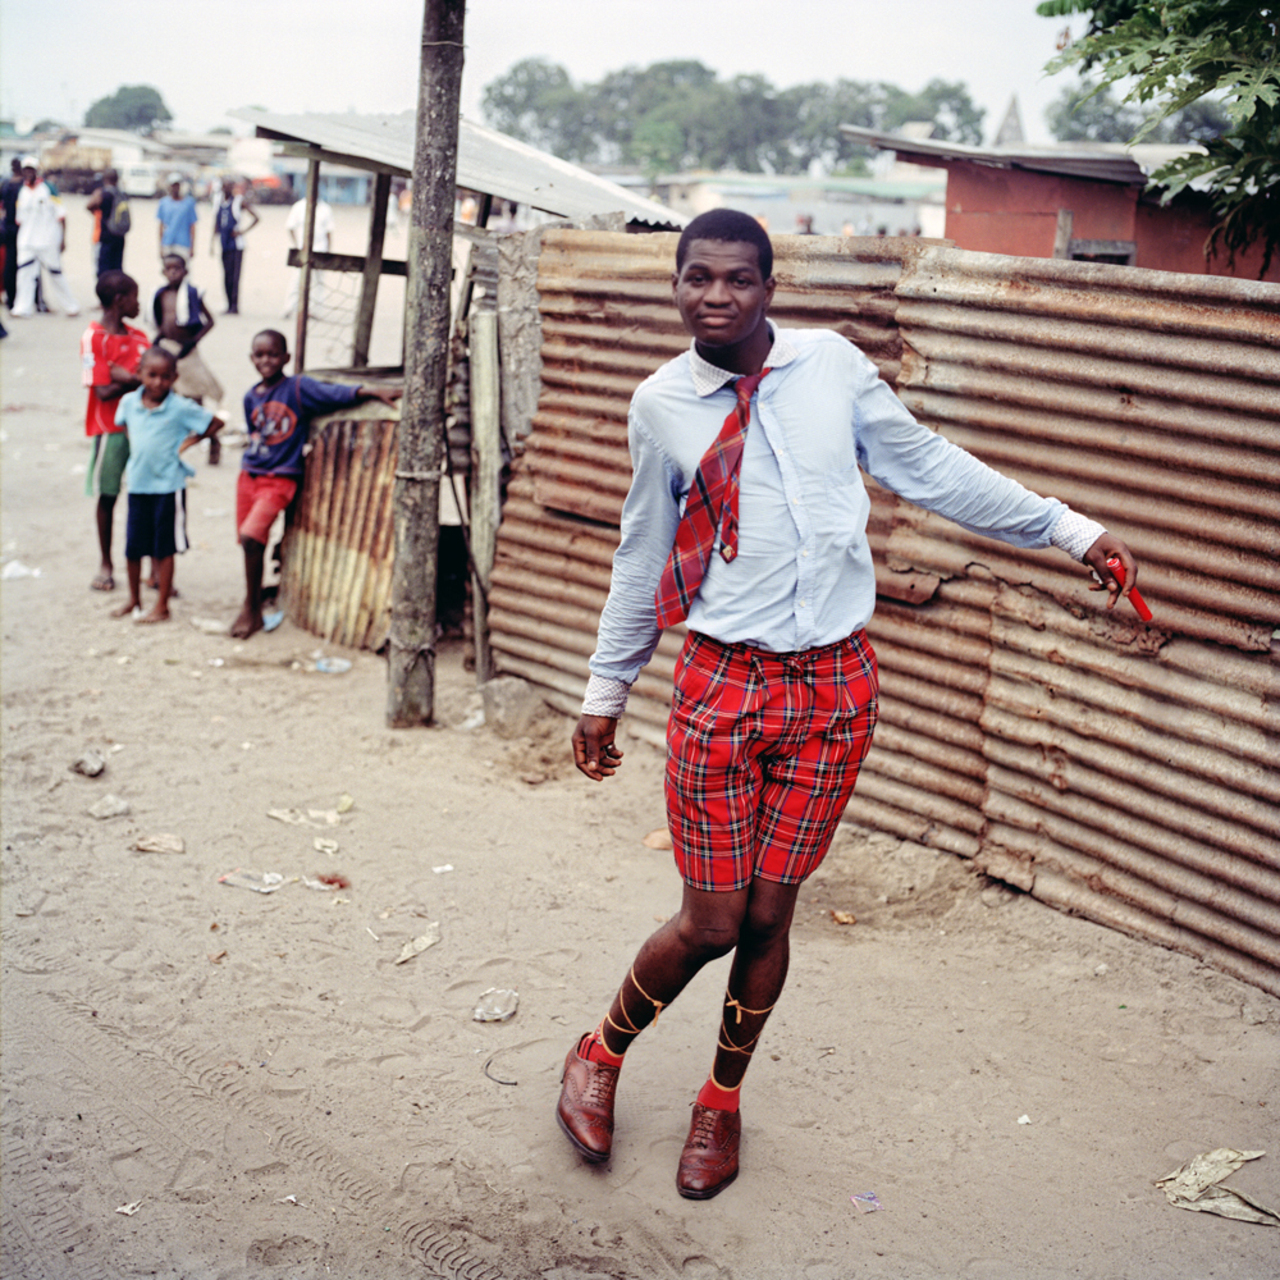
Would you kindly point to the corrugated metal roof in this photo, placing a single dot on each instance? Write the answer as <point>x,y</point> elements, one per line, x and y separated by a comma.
<point>489,162</point>
<point>1101,161</point>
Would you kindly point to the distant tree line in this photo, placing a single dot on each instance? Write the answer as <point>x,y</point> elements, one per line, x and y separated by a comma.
<point>680,115</point>
<point>136,107</point>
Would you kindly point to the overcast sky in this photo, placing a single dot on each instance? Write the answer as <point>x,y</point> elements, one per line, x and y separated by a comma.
<point>59,56</point>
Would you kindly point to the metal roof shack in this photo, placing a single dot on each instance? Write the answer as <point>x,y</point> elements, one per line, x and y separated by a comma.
<point>488,162</point>
<point>1091,203</point>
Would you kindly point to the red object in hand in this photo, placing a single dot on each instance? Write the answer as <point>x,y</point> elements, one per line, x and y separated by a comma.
<point>1139,604</point>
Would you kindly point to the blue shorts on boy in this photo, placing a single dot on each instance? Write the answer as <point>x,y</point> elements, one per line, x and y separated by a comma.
<point>157,525</point>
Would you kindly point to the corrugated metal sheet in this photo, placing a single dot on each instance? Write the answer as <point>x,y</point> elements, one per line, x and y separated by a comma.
<point>1120,770</point>
<point>487,161</point>
<point>341,549</point>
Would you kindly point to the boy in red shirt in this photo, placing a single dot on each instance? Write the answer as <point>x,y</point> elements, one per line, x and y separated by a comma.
<point>110,352</point>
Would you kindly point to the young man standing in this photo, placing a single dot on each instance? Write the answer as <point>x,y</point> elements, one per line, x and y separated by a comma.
<point>747,516</point>
<point>232,221</point>
<point>176,215</point>
<point>42,236</point>
<point>111,229</point>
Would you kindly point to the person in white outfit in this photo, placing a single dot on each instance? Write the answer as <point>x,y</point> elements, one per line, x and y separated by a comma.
<point>320,241</point>
<point>42,236</point>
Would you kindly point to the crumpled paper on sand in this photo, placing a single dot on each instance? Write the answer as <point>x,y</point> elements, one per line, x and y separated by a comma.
<point>1194,1186</point>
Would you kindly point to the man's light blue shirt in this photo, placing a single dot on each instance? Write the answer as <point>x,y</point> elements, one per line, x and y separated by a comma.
<point>803,575</point>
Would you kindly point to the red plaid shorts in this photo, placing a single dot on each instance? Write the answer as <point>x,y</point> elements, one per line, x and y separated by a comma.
<point>763,751</point>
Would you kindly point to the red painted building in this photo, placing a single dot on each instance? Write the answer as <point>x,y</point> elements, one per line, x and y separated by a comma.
<point>1087,201</point>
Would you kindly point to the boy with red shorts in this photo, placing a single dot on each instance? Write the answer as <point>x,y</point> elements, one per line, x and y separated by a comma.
<point>753,527</point>
<point>278,413</point>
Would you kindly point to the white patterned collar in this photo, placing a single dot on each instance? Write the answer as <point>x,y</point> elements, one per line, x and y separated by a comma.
<point>709,378</point>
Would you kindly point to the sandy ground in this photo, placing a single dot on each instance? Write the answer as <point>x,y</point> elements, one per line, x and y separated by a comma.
<point>279,1097</point>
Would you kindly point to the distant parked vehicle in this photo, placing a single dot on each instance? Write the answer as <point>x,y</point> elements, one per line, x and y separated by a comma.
<point>142,180</point>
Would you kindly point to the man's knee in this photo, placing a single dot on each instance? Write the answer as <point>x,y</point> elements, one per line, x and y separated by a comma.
<point>769,914</point>
<point>709,937</point>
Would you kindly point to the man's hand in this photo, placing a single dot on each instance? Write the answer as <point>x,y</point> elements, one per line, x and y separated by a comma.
<point>593,749</point>
<point>1096,559</point>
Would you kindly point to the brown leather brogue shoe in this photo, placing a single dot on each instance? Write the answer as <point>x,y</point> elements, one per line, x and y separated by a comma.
<point>709,1161</point>
<point>585,1110</point>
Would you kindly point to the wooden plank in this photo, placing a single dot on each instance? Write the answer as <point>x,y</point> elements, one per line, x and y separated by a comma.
<point>372,269</point>
<point>486,441</point>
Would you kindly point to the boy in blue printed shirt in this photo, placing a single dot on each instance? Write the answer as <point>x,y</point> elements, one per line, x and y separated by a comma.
<point>161,425</point>
<point>278,413</point>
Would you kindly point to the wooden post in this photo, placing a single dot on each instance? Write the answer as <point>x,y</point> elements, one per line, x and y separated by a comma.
<point>486,474</point>
<point>304,286</point>
<point>412,648</point>
<point>1062,234</point>
<point>372,271</point>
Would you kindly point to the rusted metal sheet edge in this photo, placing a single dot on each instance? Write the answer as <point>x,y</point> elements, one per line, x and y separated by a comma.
<point>1122,296</point>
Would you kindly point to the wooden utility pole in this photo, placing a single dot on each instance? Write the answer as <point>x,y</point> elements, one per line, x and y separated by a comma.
<point>411,661</point>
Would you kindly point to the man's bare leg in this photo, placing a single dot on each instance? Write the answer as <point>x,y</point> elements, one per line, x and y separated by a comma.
<point>105,520</point>
<point>164,579</point>
<point>250,619</point>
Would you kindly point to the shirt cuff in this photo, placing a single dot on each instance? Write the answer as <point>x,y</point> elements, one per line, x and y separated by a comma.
<point>1075,533</point>
<point>605,696</point>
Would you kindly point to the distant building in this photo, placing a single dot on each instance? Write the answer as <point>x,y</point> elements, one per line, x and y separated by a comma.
<point>1087,201</point>
<point>897,204</point>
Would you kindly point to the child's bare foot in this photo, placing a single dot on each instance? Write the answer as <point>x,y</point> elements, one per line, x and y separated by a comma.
<point>249,621</point>
<point>125,609</point>
<point>157,614</point>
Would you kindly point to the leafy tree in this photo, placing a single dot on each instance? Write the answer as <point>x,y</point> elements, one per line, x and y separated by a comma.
<point>1087,112</point>
<point>679,114</point>
<point>1174,54</point>
<point>132,106</point>
<point>955,118</point>
<point>537,103</point>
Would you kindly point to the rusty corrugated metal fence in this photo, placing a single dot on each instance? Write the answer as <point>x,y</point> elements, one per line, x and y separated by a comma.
<point>1122,770</point>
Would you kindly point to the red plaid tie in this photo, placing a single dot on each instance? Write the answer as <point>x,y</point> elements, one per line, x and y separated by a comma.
<point>712,507</point>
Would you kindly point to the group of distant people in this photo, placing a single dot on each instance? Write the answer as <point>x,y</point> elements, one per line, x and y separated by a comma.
<point>35,238</point>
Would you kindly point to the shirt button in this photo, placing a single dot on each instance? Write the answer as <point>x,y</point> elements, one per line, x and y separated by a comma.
<point>805,554</point>
<point>802,604</point>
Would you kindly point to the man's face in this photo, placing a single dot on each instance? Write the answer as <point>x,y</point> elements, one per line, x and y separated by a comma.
<point>720,292</point>
<point>175,270</point>
<point>175,189</point>
<point>29,176</point>
<point>268,357</point>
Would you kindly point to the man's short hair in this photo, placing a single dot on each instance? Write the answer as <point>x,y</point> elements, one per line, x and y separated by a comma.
<point>159,353</point>
<point>731,227</point>
<point>112,285</point>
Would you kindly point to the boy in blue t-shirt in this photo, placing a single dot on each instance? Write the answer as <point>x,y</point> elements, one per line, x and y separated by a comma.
<point>160,426</point>
<point>278,413</point>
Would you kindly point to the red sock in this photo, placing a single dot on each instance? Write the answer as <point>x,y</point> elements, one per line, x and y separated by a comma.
<point>595,1050</point>
<point>718,1099</point>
